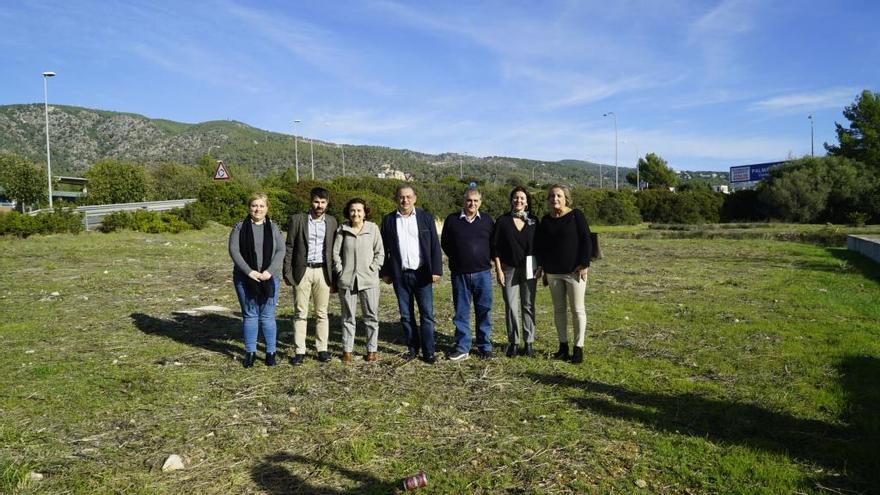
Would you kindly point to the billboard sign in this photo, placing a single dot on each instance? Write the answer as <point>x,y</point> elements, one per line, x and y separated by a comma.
<point>751,173</point>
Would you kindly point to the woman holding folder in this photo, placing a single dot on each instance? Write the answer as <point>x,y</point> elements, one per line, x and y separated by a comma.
<point>513,254</point>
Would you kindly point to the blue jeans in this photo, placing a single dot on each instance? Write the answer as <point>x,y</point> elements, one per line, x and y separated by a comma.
<point>409,292</point>
<point>256,314</point>
<point>476,286</point>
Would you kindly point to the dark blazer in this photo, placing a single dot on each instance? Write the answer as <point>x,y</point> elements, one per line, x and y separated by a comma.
<point>429,247</point>
<point>298,248</point>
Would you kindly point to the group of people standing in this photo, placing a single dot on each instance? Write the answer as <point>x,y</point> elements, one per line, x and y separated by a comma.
<point>321,257</point>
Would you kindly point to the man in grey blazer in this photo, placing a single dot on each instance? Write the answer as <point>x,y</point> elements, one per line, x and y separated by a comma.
<point>308,268</point>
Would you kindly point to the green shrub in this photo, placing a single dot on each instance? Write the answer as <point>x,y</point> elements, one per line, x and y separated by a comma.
<point>857,218</point>
<point>153,222</point>
<point>827,189</point>
<point>224,202</point>
<point>743,206</point>
<point>60,221</point>
<point>618,208</point>
<point>57,222</point>
<point>283,204</point>
<point>17,224</point>
<point>113,181</point>
<point>657,205</point>
<point>193,214</point>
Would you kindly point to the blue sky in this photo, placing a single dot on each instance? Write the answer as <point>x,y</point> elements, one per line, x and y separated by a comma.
<point>706,85</point>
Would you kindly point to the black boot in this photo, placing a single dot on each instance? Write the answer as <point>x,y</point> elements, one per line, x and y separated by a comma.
<point>511,350</point>
<point>577,357</point>
<point>270,359</point>
<point>562,353</point>
<point>527,350</point>
<point>249,359</point>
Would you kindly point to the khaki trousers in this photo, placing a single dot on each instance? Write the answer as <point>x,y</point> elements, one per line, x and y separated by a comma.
<point>567,292</point>
<point>312,286</point>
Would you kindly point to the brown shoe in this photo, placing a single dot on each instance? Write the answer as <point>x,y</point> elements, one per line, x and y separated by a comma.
<point>346,357</point>
<point>372,356</point>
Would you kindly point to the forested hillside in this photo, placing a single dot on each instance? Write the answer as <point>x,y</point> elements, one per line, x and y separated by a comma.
<point>81,136</point>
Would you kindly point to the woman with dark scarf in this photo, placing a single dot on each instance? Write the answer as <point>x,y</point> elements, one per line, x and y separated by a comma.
<point>256,247</point>
<point>512,248</point>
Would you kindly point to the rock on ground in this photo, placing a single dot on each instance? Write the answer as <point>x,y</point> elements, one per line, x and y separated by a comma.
<point>173,463</point>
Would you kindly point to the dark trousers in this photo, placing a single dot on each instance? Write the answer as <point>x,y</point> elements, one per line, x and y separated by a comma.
<point>410,292</point>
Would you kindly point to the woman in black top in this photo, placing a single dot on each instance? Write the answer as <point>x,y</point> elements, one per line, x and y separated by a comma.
<point>513,255</point>
<point>563,246</point>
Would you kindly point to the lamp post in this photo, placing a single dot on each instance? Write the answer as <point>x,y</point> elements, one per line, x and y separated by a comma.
<point>312,151</point>
<point>812,153</point>
<point>616,173</point>
<point>295,148</point>
<point>343,157</point>
<point>46,76</point>
<point>460,168</point>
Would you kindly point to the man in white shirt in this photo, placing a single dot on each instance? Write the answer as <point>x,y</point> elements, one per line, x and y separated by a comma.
<point>413,263</point>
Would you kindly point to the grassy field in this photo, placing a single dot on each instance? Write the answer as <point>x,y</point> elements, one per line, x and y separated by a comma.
<point>713,366</point>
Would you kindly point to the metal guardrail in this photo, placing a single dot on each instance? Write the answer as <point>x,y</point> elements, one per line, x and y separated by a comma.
<point>94,214</point>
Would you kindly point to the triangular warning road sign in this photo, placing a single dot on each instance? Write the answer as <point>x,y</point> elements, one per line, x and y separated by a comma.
<point>221,173</point>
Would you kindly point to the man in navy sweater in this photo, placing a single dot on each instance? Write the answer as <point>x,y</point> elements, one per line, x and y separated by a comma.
<point>466,240</point>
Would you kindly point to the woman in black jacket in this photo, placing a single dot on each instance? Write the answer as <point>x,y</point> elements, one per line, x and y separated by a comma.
<point>513,255</point>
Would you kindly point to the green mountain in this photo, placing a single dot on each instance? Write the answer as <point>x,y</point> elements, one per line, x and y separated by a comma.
<point>81,136</point>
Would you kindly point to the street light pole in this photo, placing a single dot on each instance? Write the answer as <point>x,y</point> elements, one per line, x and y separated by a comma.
<point>296,148</point>
<point>343,157</point>
<point>638,169</point>
<point>312,150</point>
<point>616,172</point>
<point>460,168</point>
<point>812,153</point>
<point>46,76</point>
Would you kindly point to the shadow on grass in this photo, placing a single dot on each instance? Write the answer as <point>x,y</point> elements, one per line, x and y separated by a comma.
<point>274,476</point>
<point>850,447</point>
<point>222,333</point>
<point>864,265</point>
<point>213,332</point>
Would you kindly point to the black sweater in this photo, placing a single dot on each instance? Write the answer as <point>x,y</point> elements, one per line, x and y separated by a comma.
<point>468,245</point>
<point>511,245</point>
<point>563,244</point>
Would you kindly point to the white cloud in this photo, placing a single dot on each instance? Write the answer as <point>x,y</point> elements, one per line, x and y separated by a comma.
<point>200,65</point>
<point>829,98</point>
<point>717,34</point>
<point>311,44</point>
<point>730,17</point>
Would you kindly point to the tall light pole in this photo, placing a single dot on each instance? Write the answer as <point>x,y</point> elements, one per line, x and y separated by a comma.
<point>812,153</point>
<point>533,170</point>
<point>295,148</point>
<point>312,151</point>
<point>616,173</point>
<point>343,157</point>
<point>46,76</point>
<point>460,168</point>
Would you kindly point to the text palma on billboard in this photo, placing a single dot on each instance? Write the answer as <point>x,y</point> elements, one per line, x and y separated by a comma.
<point>751,173</point>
